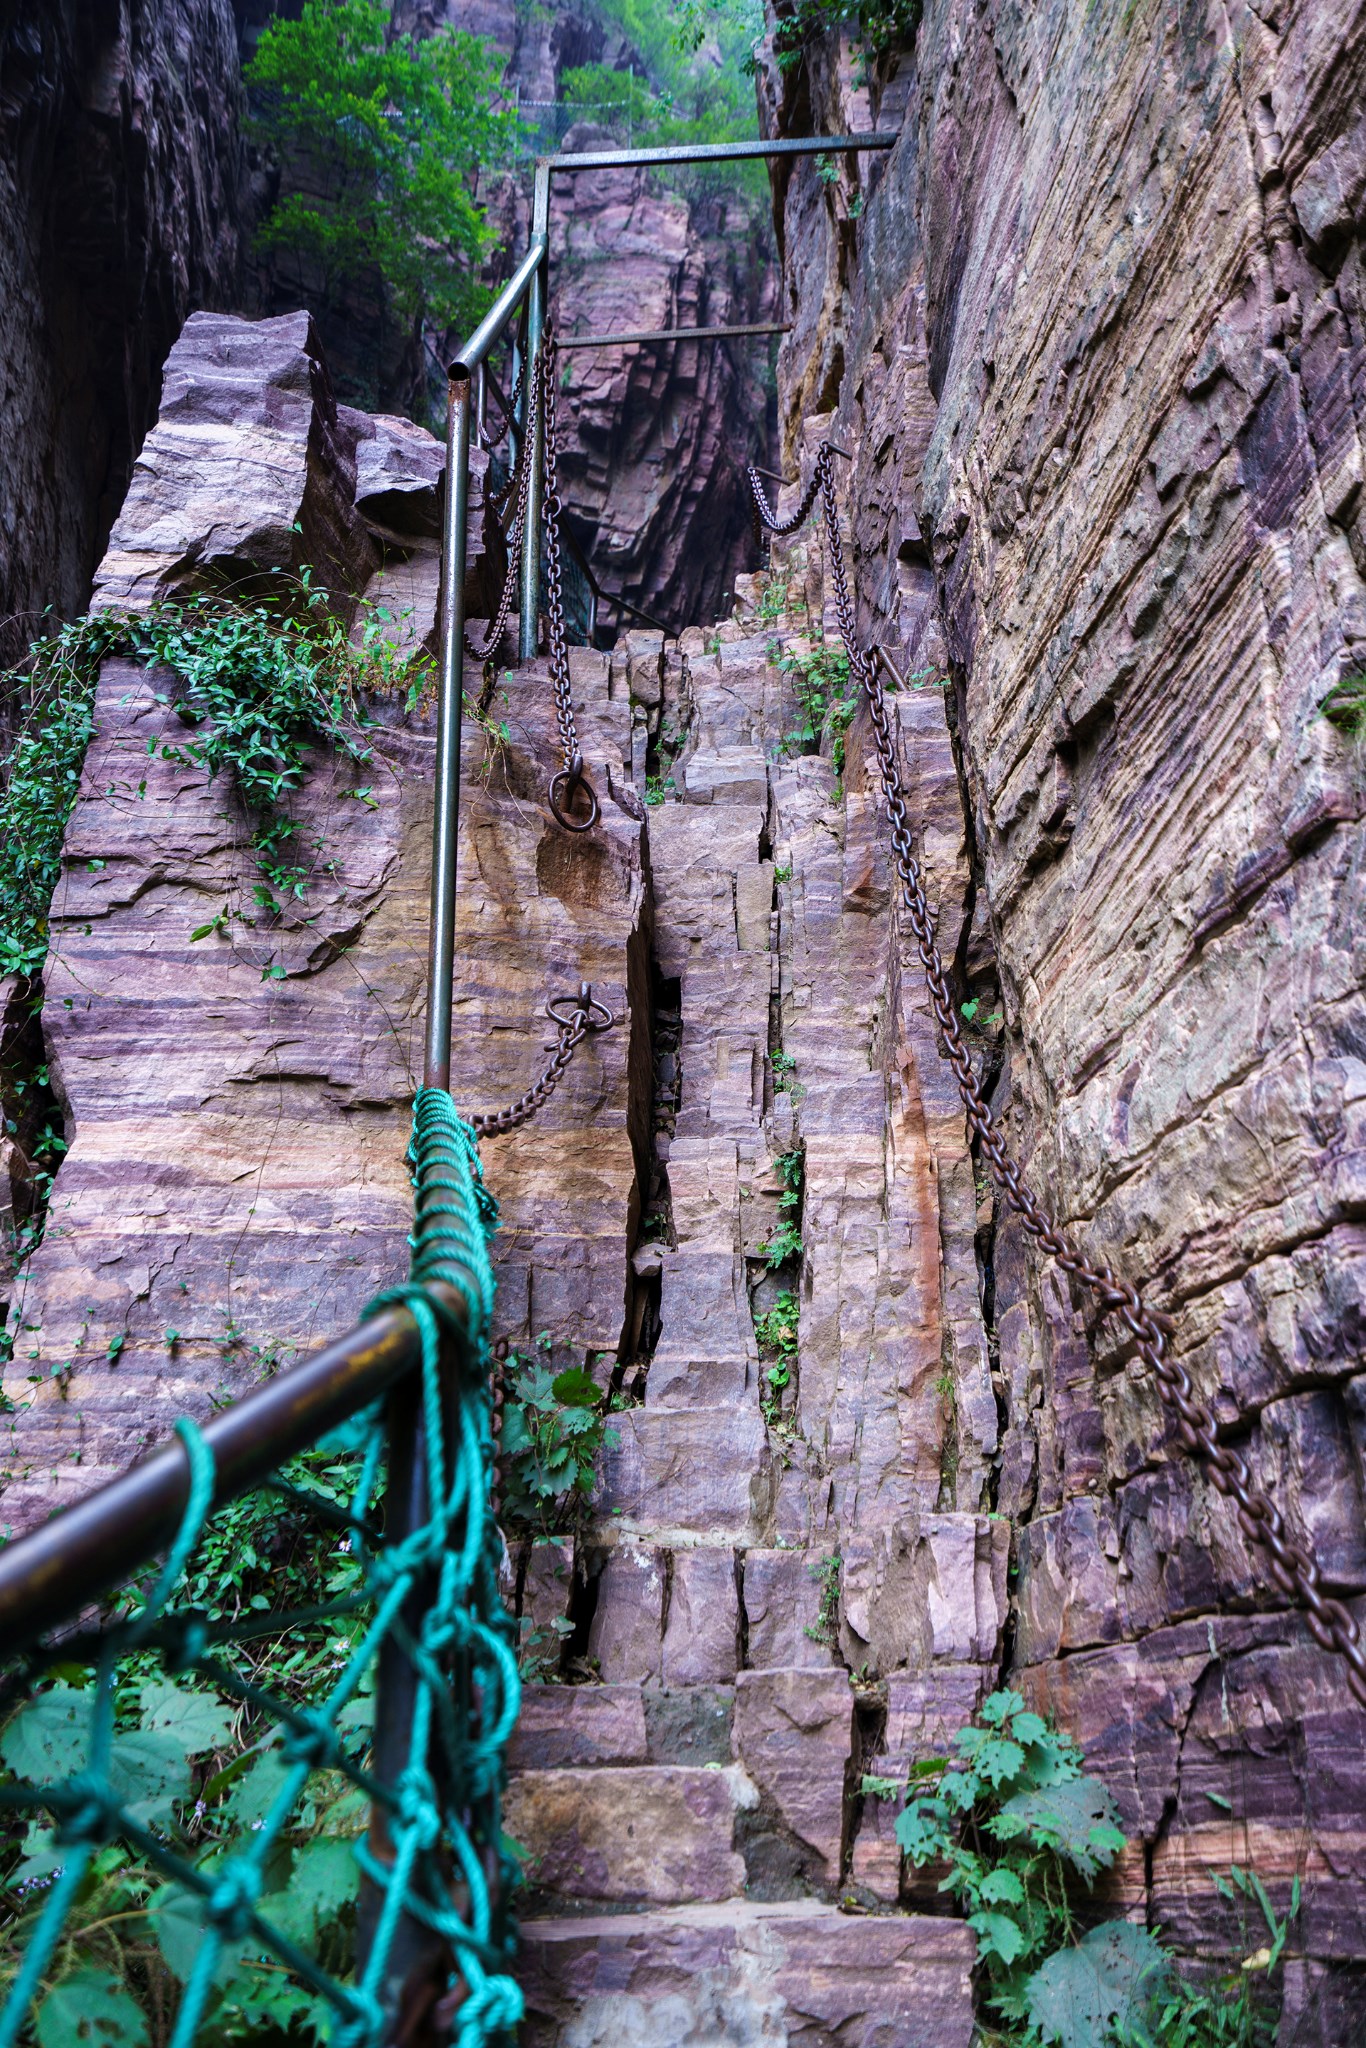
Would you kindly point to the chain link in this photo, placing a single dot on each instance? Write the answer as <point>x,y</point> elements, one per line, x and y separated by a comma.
<point>566,784</point>
<point>521,481</point>
<point>1293,1567</point>
<point>586,1015</point>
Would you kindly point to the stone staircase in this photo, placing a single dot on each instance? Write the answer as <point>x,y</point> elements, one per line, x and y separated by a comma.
<point>781,1586</point>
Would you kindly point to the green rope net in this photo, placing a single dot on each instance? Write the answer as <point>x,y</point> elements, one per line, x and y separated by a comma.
<point>196,1783</point>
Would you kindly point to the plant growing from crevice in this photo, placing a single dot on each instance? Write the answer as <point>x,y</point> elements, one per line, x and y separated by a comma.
<point>554,1432</point>
<point>819,674</point>
<point>1345,704</point>
<point>825,1628</point>
<point>1022,1832</point>
<point>256,684</point>
<point>785,1245</point>
<point>775,1332</point>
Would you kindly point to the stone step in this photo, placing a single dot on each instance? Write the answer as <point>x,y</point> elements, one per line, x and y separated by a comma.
<point>648,1835</point>
<point>796,1974</point>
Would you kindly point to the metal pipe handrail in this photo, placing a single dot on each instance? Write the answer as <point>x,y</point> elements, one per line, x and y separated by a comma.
<point>58,1569</point>
<point>674,334</point>
<point>508,302</point>
<point>720,152</point>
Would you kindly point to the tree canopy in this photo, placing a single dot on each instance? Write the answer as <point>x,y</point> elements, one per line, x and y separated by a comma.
<point>378,137</point>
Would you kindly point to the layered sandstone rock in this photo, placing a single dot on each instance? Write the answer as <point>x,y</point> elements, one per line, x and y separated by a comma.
<point>778,1587</point>
<point>1094,334</point>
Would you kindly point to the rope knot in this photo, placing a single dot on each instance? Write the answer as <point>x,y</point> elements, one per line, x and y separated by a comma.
<point>417,1806</point>
<point>90,1811</point>
<point>232,1901</point>
<point>493,2006</point>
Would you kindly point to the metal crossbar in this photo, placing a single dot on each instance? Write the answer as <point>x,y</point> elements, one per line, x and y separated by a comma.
<point>675,334</point>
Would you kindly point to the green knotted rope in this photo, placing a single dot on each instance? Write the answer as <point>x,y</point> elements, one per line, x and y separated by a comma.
<point>444,1810</point>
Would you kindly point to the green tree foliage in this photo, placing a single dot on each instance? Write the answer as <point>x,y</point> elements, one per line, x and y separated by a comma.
<point>379,137</point>
<point>700,64</point>
<point>874,25</point>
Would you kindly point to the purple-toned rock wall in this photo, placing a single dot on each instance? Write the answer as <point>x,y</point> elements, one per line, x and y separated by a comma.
<point>1095,334</point>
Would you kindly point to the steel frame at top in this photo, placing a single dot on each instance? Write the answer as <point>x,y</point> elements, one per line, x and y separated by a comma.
<point>527,288</point>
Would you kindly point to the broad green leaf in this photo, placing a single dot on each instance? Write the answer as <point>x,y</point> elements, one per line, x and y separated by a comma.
<point>1001,1888</point>
<point>1079,1993</point>
<point>257,1790</point>
<point>1079,1820</point>
<point>200,1722</point>
<point>322,1884</point>
<point>149,1773</point>
<point>276,2006</point>
<point>999,1761</point>
<point>575,1388</point>
<point>178,1923</point>
<point>1029,1728</point>
<point>997,1935</point>
<point>999,1706</point>
<point>921,1831</point>
<point>90,2006</point>
<point>49,1737</point>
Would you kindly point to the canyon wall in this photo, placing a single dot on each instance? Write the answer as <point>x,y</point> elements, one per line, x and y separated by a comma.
<point>1095,336</point>
<point>120,207</point>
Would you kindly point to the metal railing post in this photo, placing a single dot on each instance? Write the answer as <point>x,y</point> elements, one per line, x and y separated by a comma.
<point>529,635</point>
<point>419,1962</point>
<point>446,818</point>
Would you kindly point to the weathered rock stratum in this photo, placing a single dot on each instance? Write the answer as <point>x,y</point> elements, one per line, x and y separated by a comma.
<point>1095,335</point>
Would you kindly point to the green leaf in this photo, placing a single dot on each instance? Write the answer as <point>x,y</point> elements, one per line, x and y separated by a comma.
<point>90,2005</point>
<point>1001,1888</point>
<point>997,1935</point>
<point>322,1883</point>
<point>149,1773</point>
<point>1080,1992</point>
<point>178,1923</point>
<point>575,1388</point>
<point>200,1722</point>
<point>49,1737</point>
<point>1077,1819</point>
<point>257,1790</point>
<point>921,1830</point>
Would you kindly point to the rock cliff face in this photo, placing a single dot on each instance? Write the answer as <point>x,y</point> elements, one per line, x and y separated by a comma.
<point>1094,334</point>
<point>119,212</point>
<point>235,1190</point>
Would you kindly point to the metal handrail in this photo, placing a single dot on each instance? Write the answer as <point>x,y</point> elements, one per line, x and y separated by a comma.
<point>674,334</point>
<point>53,1573</point>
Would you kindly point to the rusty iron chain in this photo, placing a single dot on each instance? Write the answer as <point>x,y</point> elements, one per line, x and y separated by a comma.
<point>566,783</point>
<point>585,1015</point>
<point>492,441</point>
<point>1292,1564</point>
<point>520,480</point>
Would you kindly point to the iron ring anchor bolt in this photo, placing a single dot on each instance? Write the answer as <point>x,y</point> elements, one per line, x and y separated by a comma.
<point>572,778</point>
<point>587,1011</point>
<point>585,1014</point>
